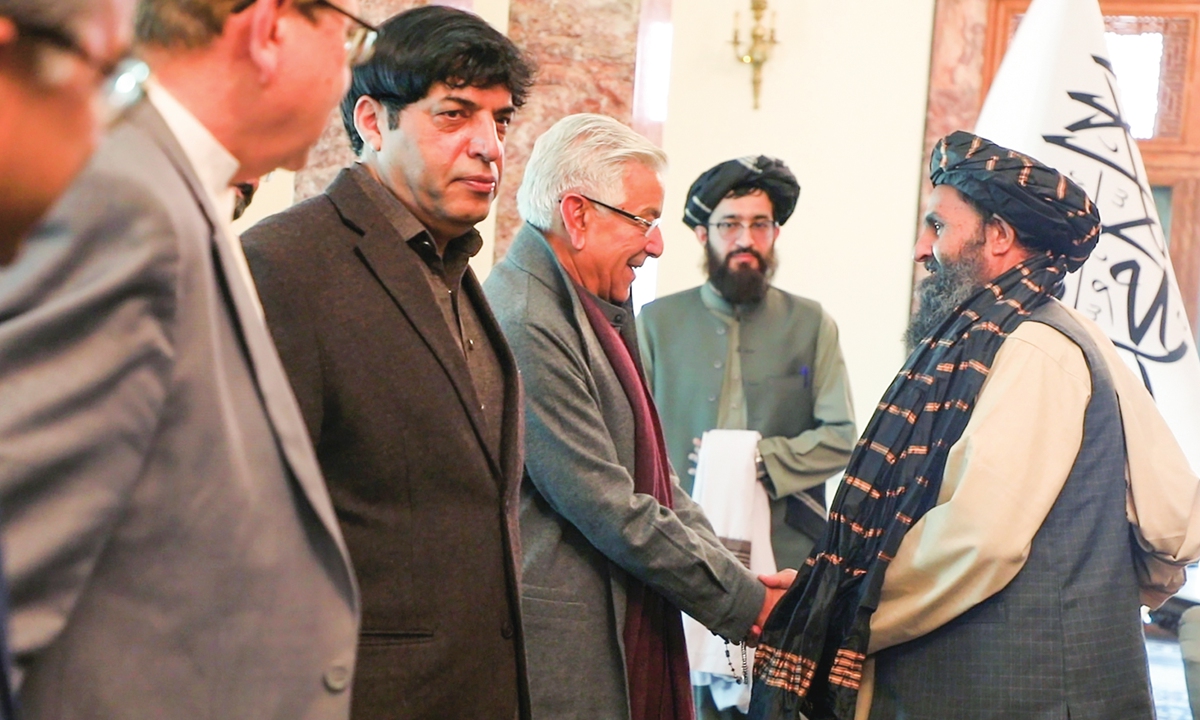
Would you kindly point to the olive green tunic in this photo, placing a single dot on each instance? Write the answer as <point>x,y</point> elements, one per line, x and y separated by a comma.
<point>774,367</point>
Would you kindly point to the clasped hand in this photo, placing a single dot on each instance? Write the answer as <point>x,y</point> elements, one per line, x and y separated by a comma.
<point>777,585</point>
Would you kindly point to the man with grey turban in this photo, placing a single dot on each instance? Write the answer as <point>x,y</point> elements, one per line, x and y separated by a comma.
<point>1014,499</point>
<point>738,353</point>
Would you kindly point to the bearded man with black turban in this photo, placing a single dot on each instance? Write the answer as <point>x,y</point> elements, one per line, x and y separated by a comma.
<point>738,353</point>
<point>1014,499</point>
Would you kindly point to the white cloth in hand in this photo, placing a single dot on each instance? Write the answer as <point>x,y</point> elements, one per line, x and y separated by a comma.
<point>739,510</point>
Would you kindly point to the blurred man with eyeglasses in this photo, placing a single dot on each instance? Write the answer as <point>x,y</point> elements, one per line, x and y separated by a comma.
<point>58,60</point>
<point>405,381</point>
<point>171,545</point>
<point>739,353</point>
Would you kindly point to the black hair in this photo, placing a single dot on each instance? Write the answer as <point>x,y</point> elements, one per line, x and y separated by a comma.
<point>434,44</point>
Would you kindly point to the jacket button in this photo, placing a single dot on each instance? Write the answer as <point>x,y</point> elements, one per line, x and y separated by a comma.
<point>337,678</point>
<point>506,630</point>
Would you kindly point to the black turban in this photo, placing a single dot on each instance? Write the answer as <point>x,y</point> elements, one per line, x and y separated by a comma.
<point>1047,209</point>
<point>769,174</point>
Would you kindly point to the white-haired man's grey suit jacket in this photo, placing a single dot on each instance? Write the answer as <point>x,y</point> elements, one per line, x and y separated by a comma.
<point>584,531</point>
<point>170,544</point>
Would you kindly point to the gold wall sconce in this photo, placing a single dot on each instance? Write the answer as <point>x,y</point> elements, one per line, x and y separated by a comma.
<point>762,42</point>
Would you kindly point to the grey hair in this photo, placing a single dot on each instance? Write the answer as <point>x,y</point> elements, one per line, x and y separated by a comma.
<point>56,14</point>
<point>582,153</point>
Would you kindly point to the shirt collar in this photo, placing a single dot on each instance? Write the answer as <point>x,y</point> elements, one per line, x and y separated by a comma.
<point>385,202</point>
<point>458,251</point>
<point>714,301</point>
<point>618,315</point>
<point>213,164</point>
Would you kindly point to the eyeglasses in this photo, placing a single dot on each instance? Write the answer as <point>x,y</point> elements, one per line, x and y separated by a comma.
<point>360,38</point>
<point>759,229</point>
<point>647,225</point>
<point>122,81</point>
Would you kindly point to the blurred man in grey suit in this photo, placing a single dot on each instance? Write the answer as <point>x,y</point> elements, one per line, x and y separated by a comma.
<point>58,58</point>
<point>172,549</point>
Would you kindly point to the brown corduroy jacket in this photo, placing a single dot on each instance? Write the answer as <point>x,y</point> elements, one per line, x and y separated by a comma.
<point>428,511</point>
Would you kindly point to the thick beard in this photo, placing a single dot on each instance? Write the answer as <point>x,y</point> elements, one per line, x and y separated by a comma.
<point>940,294</point>
<point>744,286</point>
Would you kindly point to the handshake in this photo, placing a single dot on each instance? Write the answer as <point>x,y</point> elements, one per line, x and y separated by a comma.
<point>777,585</point>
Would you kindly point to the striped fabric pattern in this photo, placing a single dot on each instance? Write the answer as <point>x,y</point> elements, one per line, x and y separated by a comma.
<point>1049,210</point>
<point>812,649</point>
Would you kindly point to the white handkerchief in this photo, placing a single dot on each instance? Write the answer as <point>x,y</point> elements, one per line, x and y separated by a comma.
<point>737,505</point>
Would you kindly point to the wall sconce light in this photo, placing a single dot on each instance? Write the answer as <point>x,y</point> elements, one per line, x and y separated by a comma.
<point>762,41</point>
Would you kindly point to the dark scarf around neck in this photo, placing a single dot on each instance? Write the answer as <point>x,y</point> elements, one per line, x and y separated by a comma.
<point>813,646</point>
<point>655,653</point>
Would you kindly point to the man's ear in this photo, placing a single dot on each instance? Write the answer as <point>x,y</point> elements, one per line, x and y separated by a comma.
<point>370,117</point>
<point>575,217</point>
<point>701,234</point>
<point>1000,235</point>
<point>260,24</point>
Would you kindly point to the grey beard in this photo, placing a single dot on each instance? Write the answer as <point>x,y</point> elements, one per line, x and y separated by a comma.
<point>942,293</point>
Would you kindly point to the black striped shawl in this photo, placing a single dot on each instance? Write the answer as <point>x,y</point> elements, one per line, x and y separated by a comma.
<point>813,646</point>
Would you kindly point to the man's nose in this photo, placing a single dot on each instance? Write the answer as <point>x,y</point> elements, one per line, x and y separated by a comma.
<point>923,250</point>
<point>654,244</point>
<point>485,141</point>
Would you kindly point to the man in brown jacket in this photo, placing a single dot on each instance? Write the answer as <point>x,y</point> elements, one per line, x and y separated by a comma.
<point>407,386</point>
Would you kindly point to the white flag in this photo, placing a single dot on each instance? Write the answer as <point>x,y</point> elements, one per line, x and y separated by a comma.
<point>1055,98</point>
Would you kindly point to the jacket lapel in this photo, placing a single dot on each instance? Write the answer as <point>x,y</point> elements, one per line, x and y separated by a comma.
<point>395,266</point>
<point>280,403</point>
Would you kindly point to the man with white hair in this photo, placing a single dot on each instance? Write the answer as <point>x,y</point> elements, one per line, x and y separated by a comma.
<point>614,549</point>
<point>171,546</point>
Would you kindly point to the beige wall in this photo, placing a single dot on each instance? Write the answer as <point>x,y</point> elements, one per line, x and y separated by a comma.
<point>496,13</point>
<point>276,192</point>
<point>843,103</point>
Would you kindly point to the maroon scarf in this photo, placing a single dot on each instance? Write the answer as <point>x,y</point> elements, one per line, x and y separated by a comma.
<point>655,654</point>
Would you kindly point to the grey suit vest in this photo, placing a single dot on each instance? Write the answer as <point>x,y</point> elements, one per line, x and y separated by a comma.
<point>1064,638</point>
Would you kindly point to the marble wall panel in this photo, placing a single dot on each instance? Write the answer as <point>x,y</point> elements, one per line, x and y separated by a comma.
<point>955,82</point>
<point>586,54</point>
<point>956,71</point>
